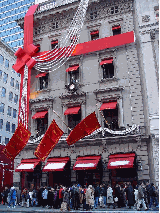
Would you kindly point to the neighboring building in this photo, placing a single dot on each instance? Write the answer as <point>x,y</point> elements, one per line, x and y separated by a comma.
<point>106,72</point>
<point>9,93</point>
<point>10,11</point>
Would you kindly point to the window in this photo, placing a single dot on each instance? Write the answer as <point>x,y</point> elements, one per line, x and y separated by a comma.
<point>17,85</point>
<point>5,77</point>
<point>9,110</point>
<point>94,34</point>
<point>42,125</point>
<point>43,82</point>
<point>116,29</point>
<point>73,73</point>
<point>8,126</point>
<point>2,107</point>
<point>1,123</point>
<point>55,25</point>
<point>15,99</point>
<point>12,82</point>
<point>3,92</point>
<point>54,43</point>
<point>108,68</point>
<point>14,113</point>
<point>1,59</point>
<point>156,9</point>
<point>0,73</point>
<point>111,116</point>
<point>93,15</point>
<point>39,47</point>
<point>6,63</point>
<point>74,119</point>
<point>10,96</point>
<point>13,128</point>
<point>114,9</point>
<point>6,140</point>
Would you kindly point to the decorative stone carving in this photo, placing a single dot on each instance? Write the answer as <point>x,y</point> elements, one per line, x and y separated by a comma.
<point>117,88</point>
<point>152,34</point>
<point>145,18</point>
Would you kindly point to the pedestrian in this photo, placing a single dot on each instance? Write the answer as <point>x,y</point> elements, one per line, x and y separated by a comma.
<point>40,198</point>
<point>34,197</point>
<point>88,197</point>
<point>75,197</point>
<point>96,195</point>
<point>130,195</point>
<point>104,195</point>
<point>18,194</point>
<point>153,196</point>
<point>45,197</point>
<point>141,197</point>
<point>136,196</point>
<point>5,195</point>
<point>66,199</point>
<point>23,195</point>
<point>148,186</point>
<point>50,197</point>
<point>28,198</point>
<point>56,197</point>
<point>61,195</point>
<point>110,196</point>
<point>12,197</point>
<point>118,195</point>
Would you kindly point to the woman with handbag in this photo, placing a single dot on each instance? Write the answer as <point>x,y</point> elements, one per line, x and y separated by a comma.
<point>110,196</point>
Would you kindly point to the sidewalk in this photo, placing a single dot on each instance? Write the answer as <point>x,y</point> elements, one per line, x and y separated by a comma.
<point>18,209</point>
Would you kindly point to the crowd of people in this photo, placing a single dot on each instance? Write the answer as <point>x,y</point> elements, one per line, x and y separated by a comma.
<point>75,197</point>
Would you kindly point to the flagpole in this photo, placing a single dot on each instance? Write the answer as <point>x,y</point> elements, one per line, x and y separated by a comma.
<point>102,115</point>
<point>62,121</point>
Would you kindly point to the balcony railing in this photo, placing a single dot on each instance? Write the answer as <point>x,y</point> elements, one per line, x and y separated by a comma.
<point>52,4</point>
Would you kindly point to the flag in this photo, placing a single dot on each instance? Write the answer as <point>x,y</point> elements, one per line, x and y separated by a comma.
<point>49,140</point>
<point>17,142</point>
<point>84,128</point>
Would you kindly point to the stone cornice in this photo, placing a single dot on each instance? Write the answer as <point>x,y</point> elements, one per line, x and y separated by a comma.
<point>36,100</point>
<point>111,89</point>
<point>70,96</point>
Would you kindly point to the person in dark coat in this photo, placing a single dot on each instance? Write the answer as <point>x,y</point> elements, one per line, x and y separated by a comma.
<point>97,195</point>
<point>40,199</point>
<point>5,195</point>
<point>12,197</point>
<point>56,197</point>
<point>75,197</point>
<point>130,195</point>
<point>50,197</point>
<point>153,196</point>
<point>118,195</point>
<point>147,194</point>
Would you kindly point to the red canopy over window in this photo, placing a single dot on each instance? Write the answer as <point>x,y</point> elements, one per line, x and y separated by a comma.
<point>107,61</point>
<point>56,164</point>
<point>94,32</point>
<point>71,111</point>
<point>27,165</point>
<point>39,115</point>
<point>41,74</point>
<point>109,105</point>
<point>86,163</point>
<point>120,161</point>
<point>116,27</point>
<point>74,68</point>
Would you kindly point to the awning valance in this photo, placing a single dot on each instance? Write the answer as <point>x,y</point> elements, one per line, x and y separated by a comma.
<point>109,105</point>
<point>41,74</point>
<point>120,161</point>
<point>94,32</point>
<point>56,164</point>
<point>73,68</point>
<point>116,27</point>
<point>86,163</point>
<point>39,114</point>
<point>27,165</point>
<point>107,61</point>
<point>72,110</point>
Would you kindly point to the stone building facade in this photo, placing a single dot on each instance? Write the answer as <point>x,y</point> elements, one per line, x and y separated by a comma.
<point>107,77</point>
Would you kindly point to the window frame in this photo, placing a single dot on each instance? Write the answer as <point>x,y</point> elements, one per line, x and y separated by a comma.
<point>1,123</point>
<point>13,125</point>
<point>12,82</point>
<point>8,126</point>
<point>108,65</point>
<point>41,83</point>
<point>15,98</point>
<point>2,104</point>
<point>1,59</point>
<point>6,63</point>
<point>14,113</point>
<point>3,89</point>
<point>9,111</point>
<point>5,78</point>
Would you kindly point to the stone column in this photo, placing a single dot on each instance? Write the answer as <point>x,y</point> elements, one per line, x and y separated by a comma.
<point>33,123</point>
<point>120,113</point>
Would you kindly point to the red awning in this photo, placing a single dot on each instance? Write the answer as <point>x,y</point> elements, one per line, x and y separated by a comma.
<point>27,165</point>
<point>109,105</point>
<point>74,68</point>
<point>107,61</point>
<point>94,32</point>
<point>56,164</point>
<point>71,111</point>
<point>116,27</point>
<point>54,42</point>
<point>86,163</point>
<point>121,161</point>
<point>41,74</point>
<point>39,115</point>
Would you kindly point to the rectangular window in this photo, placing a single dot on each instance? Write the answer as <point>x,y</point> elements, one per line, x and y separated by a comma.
<point>116,30</point>
<point>39,47</point>
<point>14,113</point>
<point>7,63</point>
<point>54,43</point>
<point>5,77</point>
<point>93,15</point>
<point>0,73</point>
<point>6,140</point>
<point>2,107</point>
<point>42,125</point>
<point>10,96</point>
<point>13,128</point>
<point>8,126</point>
<point>111,116</point>
<point>94,35</point>
<point>15,99</point>
<point>1,123</point>
<point>108,68</point>
<point>1,59</point>
<point>3,92</point>
<point>73,73</point>
<point>43,82</point>
<point>9,110</point>
<point>12,82</point>
<point>55,25</point>
<point>74,119</point>
<point>17,85</point>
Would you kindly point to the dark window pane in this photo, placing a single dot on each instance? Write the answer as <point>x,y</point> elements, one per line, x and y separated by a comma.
<point>9,111</point>
<point>1,123</point>
<point>43,82</point>
<point>10,96</point>
<point>0,73</point>
<point>6,140</point>
<point>5,77</point>
<point>12,82</point>
<point>14,113</point>
<point>1,59</point>
<point>17,85</point>
<point>2,107</point>
<point>108,71</point>
<point>3,92</point>
<point>6,63</point>
<point>8,126</point>
<point>13,128</point>
<point>15,99</point>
